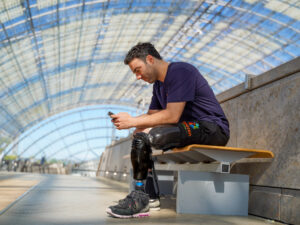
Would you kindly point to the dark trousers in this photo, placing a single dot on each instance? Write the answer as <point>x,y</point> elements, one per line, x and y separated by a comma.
<point>202,132</point>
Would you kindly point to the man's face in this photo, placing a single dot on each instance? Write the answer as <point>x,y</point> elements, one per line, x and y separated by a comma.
<point>143,70</point>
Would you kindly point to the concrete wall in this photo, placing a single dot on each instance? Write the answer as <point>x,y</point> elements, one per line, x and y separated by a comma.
<point>112,164</point>
<point>56,168</point>
<point>268,117</point>
<point>88,168</point>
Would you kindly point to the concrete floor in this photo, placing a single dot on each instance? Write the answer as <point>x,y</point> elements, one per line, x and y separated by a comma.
<point>64,200</point>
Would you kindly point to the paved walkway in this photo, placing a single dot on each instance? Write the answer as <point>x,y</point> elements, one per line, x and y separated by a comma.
<point>64,200</point>
<point>14,186</point>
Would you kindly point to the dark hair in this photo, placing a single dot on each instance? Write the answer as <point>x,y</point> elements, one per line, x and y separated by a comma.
<point>141,50</point>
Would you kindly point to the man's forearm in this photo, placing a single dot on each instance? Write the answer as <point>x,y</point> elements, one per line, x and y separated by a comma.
<point>142,115</point>
<point>139,118</point>
<point>151,120</point>
<point>150,112</point>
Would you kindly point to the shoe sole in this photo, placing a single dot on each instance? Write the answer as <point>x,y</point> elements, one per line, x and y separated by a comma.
<point>154,206</point>
<point>137,215</point>
<point>155,209</point>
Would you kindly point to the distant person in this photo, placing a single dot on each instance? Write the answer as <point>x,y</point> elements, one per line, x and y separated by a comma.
<point>183,111</point>
<point>26,165</point>
<point>42,164</point>
<point>43,160</point>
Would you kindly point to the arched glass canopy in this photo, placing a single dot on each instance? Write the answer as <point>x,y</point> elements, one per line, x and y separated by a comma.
<point>75,135</point>
<point>57,55</point>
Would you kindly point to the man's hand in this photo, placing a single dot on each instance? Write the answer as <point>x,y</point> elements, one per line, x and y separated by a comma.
<point>123,120</point>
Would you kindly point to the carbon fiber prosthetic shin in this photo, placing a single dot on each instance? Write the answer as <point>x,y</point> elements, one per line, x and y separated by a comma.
<point>140,156</point>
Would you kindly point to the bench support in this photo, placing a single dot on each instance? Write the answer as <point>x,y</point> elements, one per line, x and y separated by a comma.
<point>205,192</point>
<point>212,193</point>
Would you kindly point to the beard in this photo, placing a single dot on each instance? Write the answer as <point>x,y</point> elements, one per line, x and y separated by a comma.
<point>152,74</point>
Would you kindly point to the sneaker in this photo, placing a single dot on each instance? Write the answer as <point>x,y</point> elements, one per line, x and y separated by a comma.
<point>132,194</point>
<point>154,204</point>
<point>134,205</point>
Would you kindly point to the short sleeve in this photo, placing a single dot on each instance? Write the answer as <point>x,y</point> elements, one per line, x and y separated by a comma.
<point>181,86</point>
<point>154,101</point>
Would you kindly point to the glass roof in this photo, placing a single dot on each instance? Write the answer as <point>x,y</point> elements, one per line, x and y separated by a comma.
<point>75,135</point>
<point>57,55</point>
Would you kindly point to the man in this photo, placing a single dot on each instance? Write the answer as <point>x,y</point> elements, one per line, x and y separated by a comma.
<point>183,111</point>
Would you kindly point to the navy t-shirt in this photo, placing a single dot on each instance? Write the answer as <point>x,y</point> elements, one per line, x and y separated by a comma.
<point>184,83</point>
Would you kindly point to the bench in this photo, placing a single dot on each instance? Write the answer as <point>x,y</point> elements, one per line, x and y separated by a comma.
<point>205,184</point>
<point>207,154</point>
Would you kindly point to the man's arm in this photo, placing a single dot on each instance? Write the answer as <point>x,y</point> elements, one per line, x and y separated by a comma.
<point>145,129</point>
<point>150,111</point>
<point>170,115</point>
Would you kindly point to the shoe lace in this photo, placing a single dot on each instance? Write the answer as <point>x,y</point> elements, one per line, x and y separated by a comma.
<point>130,196</point>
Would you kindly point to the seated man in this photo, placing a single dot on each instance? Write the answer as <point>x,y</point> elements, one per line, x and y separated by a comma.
<point>183,111</point>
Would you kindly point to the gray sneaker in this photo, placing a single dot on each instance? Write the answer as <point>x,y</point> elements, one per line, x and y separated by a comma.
<point>134,205</point>
<point>132,195</point>
<point>154,204</point>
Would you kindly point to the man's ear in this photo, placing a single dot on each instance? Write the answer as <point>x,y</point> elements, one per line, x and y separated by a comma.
<point>150,59</point>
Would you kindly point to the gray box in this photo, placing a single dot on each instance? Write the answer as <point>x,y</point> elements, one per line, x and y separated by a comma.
<point>212,193</point>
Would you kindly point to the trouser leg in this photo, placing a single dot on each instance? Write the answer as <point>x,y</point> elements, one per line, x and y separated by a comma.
<point>151,186</point>
<point>202,132</point>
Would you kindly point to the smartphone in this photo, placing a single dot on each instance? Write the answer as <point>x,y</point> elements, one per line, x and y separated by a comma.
<point>110,113</point>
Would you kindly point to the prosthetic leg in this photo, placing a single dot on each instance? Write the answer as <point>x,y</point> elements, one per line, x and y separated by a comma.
<point>164,137</point>
<point>138,202</point>
<point>155,183</point>
<point>144,170</point>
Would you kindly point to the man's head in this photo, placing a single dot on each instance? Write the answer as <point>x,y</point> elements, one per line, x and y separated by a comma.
<point>142,59</point>
<point>141,51</point>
